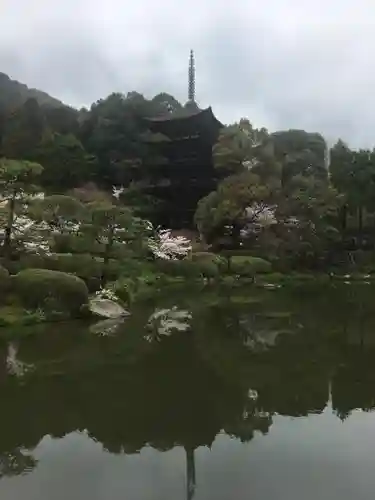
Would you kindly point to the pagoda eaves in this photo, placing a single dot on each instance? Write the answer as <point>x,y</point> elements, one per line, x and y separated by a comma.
<point>175,125</point>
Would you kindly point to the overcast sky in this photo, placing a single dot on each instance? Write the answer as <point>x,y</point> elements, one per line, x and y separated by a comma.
<point>281,63</point>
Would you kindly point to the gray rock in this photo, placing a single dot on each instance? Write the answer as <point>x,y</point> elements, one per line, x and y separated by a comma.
<point>106,327</point>
<point>106,308</point>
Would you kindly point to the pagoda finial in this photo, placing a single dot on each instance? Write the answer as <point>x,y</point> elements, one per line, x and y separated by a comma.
<point>191,88</point>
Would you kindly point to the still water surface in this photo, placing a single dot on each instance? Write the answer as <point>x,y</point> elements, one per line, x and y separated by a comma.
<point>205,396</point>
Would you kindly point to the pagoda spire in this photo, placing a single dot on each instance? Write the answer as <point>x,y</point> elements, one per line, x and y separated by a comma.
<point>191,87</point>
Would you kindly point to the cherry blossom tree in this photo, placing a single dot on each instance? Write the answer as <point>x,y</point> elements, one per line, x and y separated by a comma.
<point>166,246</point>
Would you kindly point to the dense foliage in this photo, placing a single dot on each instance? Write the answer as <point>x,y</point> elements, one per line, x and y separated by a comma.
<point>289,197</point>
<point>88,182</point>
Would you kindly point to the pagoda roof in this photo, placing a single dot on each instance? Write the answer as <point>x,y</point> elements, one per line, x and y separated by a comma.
<point>174,124</point>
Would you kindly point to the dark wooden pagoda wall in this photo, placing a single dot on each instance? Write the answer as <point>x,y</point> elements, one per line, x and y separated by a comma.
<point>184,173</point>
<point>187,176</point>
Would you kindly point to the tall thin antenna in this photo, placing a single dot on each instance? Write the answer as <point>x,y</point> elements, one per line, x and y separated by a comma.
<point>191,88</point>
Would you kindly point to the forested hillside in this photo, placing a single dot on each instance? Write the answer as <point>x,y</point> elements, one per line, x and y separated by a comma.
<point>14,93</point>
<point>282,191</point>
<point>105,144</point>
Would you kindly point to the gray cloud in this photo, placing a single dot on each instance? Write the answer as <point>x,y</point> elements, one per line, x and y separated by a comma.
<point>289,64</point>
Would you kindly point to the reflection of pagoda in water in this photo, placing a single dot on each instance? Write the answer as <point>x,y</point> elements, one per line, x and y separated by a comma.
<point>127,407</point>
<point>179,393</point>
<point>190,473</point>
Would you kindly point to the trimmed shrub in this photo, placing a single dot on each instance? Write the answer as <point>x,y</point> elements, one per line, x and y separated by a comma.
<point>236,252</point>
<point>81,265</point>
<point>188,269</point>
<point>72,243</point>
<point>84,266</point>
<point>249,266</point>
<point>275,277</point>
<point>50,291</point>
<point>79,244</point>
<point>133,268</point>
<point>182,268</point>
<point>207,269</point>
<point>208,257</point>
<point>26,261</point>
<point>197,256</point>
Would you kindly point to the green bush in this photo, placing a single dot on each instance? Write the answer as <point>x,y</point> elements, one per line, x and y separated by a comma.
<point>207,269</point>
<point>276,277</point>
<point>76,244</point>
<point>188,269</point>
<point>129,290</point>
<point>210,257</point>
<point>80,244</point>
<point>181,268</point>
<point>205,256</point>
<point>237,252</point>
<point>132,268</point>
<point>18,316</point>
<point>51,291</point>
<point>249,266</point>
<point>84,266</point>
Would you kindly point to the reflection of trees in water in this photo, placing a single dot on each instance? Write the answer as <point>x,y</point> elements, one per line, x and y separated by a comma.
<point>190,473</point>
<point>16,462</point>
<point>14,365</point>
<point>167,396</point>
<point>353,383</point>
<point>186,388</point>
<point>166,322</point>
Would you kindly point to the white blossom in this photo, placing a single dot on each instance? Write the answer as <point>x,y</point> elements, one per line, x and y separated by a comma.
<point>252,394</point>
<point>15,366</point>
<point>163,322</point>
<point>166,246</point>
<point>249,164</point>
<point>264,215</point>
<point>107,293</point>
<point>32,234</point>
<point>117,191</point>
<point>258,216</point>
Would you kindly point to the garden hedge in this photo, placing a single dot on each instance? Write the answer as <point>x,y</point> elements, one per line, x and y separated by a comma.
<point>249,266</point>
<point>50,291</point>
<point>84,266</point>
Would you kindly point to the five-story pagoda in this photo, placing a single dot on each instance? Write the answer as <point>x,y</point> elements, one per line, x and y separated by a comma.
<point>181,171</point>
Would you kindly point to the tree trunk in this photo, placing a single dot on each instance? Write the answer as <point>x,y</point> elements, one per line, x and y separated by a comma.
<point>360,224</point>
<point>107,256</point>
<point>9,227</point>
<point>236,235</point>
<point>344,216</point>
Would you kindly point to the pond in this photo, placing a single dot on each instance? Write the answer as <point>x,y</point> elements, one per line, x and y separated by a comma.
<point>204,395</point>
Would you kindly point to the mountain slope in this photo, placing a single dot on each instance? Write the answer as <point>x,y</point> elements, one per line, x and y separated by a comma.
<point>14,93</point>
